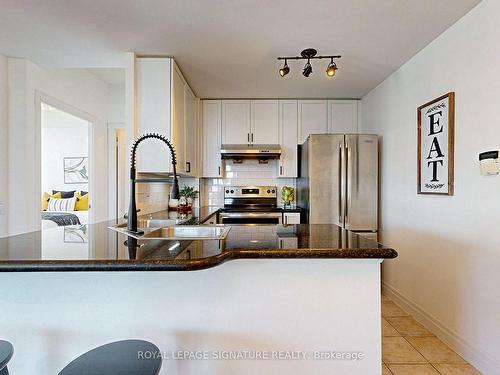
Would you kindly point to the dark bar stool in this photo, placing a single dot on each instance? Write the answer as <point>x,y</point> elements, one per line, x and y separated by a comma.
<point>118,358</point>
<point>6,352</point>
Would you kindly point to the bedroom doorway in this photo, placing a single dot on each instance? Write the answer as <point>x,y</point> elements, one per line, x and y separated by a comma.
<point>65,170</point>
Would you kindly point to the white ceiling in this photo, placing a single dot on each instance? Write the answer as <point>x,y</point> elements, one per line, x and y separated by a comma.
<point>228,48</point>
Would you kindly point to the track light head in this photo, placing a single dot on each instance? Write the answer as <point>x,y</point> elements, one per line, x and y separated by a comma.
<point>331,69</point>
<point>285,70</point>
<point>307,69</point>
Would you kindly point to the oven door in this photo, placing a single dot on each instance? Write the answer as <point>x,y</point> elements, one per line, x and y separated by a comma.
<point>250,217</point>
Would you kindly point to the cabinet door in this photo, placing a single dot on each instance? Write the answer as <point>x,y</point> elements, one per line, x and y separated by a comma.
<point>343,116</point>
<point>312,118</point>
<point>153,95</point>
<point>264,122</point>
<point>211,135</point>
<point>178,130</point>
<point>291,218</point>
<point>235,121</point>
<point>288,128</point>
<point>190,133</point>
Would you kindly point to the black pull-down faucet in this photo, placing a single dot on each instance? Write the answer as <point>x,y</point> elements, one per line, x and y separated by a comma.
<point>132,208</point>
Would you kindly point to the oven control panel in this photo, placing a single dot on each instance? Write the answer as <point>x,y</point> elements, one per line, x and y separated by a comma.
<point>250,192</point>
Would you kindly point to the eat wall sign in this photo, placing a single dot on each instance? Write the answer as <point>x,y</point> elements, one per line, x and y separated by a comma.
<point>436,130</point>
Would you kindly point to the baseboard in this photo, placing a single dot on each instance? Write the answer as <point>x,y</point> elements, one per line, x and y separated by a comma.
<point>482,361</point>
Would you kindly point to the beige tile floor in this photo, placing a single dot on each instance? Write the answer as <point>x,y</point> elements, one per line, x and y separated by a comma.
<point>410,349</point>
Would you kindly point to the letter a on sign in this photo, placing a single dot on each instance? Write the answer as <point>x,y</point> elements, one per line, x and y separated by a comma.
<point>436,130</point>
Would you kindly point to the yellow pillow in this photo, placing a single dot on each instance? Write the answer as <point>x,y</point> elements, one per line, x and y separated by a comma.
<point>45,199</point>
<point>82,202</point>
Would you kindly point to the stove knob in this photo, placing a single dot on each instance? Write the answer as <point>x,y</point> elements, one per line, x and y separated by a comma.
<point>268,191</point>
<point>274,191</point>
<point>232,191</point>
<point>227,191</point>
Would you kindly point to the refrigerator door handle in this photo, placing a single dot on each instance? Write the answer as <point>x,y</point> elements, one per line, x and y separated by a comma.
<point>340,183</point>
<point>347,184</point>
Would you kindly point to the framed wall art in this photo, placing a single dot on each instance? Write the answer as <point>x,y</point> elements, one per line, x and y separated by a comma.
<point>436,134</point>
<point>76,170</point>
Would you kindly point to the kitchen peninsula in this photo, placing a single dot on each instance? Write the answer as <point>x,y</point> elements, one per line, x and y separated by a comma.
<point>268,288</point>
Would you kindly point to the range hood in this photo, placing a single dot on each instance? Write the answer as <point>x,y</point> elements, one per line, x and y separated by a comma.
<point>239,152</point>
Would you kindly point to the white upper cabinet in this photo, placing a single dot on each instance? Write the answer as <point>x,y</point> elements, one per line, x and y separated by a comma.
<point>264,127</point>
<point>288,129</point>
<point>153,96</point>
<point>343,116</point>
<point>191,136</point>
<point>313,118</point>
<point>235,121</point>
<point>165,105</point>
<point>250,122</point>
<point>211,135</point>
<point>178,118</point>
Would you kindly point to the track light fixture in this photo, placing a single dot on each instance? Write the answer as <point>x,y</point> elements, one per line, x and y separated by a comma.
<point>285,70</point>
<point>309,54</point>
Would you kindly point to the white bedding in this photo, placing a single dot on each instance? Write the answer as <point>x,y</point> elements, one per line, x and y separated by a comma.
<point>83,216</point>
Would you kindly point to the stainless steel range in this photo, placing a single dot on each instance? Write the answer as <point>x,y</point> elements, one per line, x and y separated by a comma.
<point>250,205</point>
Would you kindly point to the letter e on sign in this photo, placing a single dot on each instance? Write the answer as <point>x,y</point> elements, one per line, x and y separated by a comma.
<point>436,131</point>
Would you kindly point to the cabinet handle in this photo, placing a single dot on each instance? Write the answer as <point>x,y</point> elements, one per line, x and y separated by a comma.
<point>219,170</point>
<point>248,137</point>
<point>188,167</point>
<point>281,170</point>
<point>252,137</point>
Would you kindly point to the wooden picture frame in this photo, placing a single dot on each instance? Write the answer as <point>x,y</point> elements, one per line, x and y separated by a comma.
<point>436,146</point>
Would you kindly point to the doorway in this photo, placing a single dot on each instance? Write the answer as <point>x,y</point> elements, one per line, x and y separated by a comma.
<point>65,167</point>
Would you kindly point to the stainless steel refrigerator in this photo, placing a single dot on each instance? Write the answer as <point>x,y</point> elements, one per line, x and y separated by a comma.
<point>338,181</point>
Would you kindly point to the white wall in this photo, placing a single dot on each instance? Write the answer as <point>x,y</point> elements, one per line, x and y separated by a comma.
<point>227,307</point>
<point>76,88</point>
<point>116,104</point>
<point>448,267</point>
<point>116,128</point>
<point>4,155</point>
<point>61,140</point>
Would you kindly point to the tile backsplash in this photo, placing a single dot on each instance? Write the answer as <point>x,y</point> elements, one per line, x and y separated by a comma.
<point>154,197</point>
<point>249,172</point>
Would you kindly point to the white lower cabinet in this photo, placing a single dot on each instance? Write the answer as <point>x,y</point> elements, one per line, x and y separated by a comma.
<point>211,135</point>
<point>291,218</point>
<point>288,127</point>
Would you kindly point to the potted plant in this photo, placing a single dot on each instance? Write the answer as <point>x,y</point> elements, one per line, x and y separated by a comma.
<point>287,195</point>
<point>189,194</point>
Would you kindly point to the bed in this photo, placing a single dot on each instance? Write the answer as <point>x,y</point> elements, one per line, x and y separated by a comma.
<point>52,219</point>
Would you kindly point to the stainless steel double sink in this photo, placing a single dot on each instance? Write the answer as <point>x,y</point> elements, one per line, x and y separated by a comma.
<point>172,229</point>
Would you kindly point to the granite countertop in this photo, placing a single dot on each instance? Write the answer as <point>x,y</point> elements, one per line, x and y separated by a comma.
<point>95,247</point>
